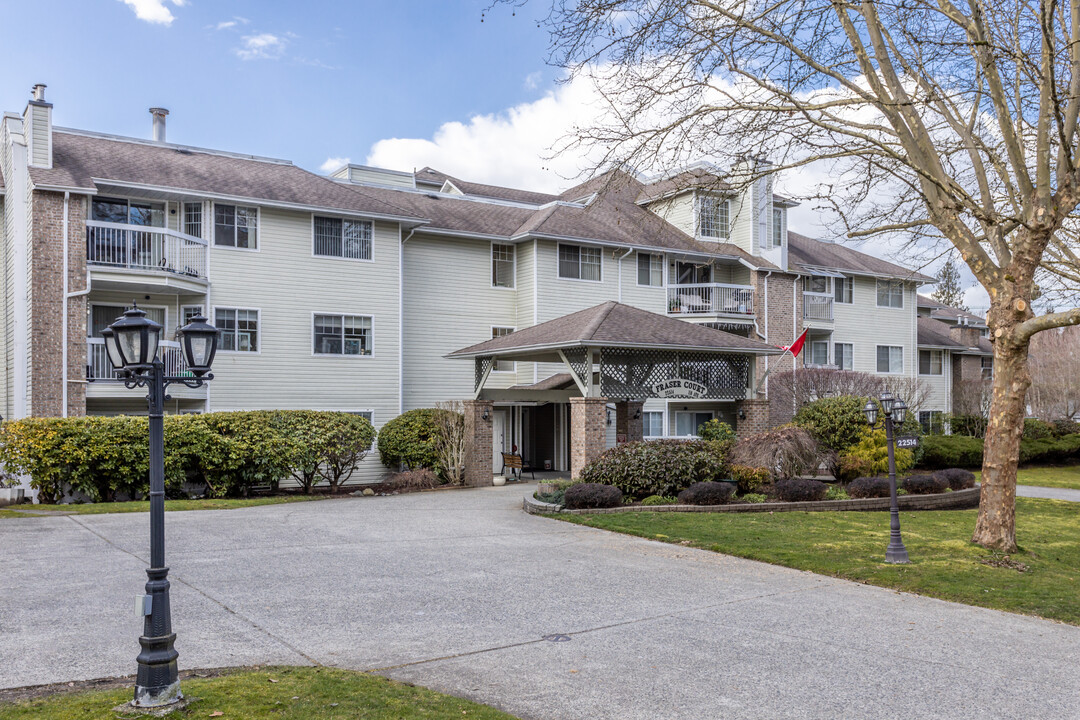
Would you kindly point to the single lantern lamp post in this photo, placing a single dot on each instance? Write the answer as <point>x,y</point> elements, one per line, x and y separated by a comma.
<point>132,344</point>
<point>894,411</point>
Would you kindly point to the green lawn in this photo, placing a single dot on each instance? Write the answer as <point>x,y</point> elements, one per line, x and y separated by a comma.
<point>144,505</point>
<point>945,564</point>
<point>296,693</point>
<point>1058,477</point>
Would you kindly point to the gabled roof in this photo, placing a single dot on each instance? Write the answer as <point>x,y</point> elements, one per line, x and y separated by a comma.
<point>936,334</point>
<point>939,310</point>
<point>80,160</point>
<point>807,254</point>
<point>692,179</point>
<point>613,324</point>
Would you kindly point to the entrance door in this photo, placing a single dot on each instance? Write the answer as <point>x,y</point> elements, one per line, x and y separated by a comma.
<point>499,424</point>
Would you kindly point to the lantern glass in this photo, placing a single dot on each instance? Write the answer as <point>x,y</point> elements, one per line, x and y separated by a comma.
<point>199,340</point>
<point>131,345</point>
<point>136,339</point>
<point>112,350</point>
<point>887,402</point>
<point>899,411</point>
<point>871,412</point>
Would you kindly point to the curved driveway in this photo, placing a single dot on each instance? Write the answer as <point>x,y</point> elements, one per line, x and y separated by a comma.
<point>455,590</point>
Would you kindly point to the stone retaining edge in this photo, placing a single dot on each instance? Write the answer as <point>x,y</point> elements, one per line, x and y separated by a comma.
<point>957,500</point>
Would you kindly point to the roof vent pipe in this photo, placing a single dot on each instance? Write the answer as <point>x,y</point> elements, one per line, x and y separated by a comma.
<point>159,123</point>
<point>39,92</point>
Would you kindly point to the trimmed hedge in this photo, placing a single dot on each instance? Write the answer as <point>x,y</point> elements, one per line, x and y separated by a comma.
<point>591,496</point>
<point>960,451</point>
<point>707,493</point>
<point>925,484</point>
<point>106,458</point>
<point>800,489</point>
<point>957,478</point>
<point>655,467</point>
<point>868,487</point>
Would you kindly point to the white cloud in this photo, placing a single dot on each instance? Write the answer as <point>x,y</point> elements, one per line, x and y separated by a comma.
<point>225,25</point>
<point>264,46</point>
<point>532,80</point>
<point>333,163</point>
<point>154,11</point>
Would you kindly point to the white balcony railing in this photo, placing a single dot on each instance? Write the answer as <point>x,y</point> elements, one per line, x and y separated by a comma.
<point>817,307</point>
<point>710,299</point>
<point>98,367</point>
<point>150,249</point>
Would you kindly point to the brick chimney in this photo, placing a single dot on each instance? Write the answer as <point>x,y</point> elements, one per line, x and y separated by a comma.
<point>37,126</point>
<point>964,333</point>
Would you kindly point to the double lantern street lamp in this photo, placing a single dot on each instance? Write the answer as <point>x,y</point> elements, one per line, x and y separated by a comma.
<point>132,344</point>
<point>894,410</point>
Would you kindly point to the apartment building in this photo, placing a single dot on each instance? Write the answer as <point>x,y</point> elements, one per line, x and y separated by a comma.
<point>348,291</point>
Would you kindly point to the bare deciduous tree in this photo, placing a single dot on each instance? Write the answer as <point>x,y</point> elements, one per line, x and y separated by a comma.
<point>809,384</point>
<point>947,122</point>
<point>1055,374</point>
<point>451,441</point>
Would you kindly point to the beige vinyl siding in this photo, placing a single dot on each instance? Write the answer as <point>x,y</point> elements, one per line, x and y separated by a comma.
<point>288,285</point>
<point>378,176</point>
<point>646,297</point>
<point>865,325</point>
<point>938,387</point>
<point>38,135</point>
<point>449,304</point>
<point>742,222</point>
<point>678,210</point>
<point>524,282</point>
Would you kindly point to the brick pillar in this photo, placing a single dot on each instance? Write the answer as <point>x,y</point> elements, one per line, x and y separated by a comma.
<point>757,417</point>
<point>629,425</point>
<point>588,431</point>
<point>478,431</point>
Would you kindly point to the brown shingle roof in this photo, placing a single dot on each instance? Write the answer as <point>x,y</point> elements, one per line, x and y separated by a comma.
<point>694,178</point>
<point>77,158</point>
<point>807,254</point>
<point>614,324</point>
<point>934,333</point>
<point>939,310</point>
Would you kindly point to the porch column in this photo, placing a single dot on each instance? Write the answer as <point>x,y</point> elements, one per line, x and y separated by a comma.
<point>588,431</point>
<point>478,431</point>
<point>629,425</point>
<point>757,417</point>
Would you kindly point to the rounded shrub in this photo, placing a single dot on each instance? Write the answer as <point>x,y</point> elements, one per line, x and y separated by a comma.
<point>868,487</point>
<point>707,493</point>
<point>849,466</point>
<point>836,422</point>
<point>947,451</point>
<point>658,500</point>
<point>749,479</point>
<point>1037,429</point>
<point>410,439</point>
<point>957,478</point>
<point>656,467</point>
<point>754,498</point>
<point>592,496</point>
<point>925,484</point>
<point>872,454</point>
<point>800,490</point>
<point>1065,427</point>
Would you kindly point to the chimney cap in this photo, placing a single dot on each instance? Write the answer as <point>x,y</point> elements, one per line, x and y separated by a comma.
<point>158,111</point>
<point>37,92</point>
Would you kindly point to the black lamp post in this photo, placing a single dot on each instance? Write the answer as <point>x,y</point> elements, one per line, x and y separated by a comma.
<point>132,343</point>
<point>894,410</point>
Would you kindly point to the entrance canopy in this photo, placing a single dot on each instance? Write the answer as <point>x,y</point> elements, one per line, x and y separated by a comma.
<point>640,354</point>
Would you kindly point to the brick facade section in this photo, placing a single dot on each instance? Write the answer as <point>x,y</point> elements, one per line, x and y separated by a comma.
<point>629,423</point>
<point>478,431</point>
<point>757,417</point>
<point>785,324</point>
<point>588,431</point>
<point>47,302</point>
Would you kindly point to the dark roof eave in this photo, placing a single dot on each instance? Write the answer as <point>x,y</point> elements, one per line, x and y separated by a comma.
<point>615,243</point>
<point>528,349</point>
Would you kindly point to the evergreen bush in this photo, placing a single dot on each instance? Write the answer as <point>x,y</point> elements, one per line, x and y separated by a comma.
<point>655,467</point>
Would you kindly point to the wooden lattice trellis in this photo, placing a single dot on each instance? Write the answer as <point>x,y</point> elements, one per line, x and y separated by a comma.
<point>481,365</point>
<point>580,362</point>
<point>631,373</point>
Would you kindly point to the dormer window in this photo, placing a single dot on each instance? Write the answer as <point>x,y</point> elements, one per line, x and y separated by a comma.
<point>714,217</point>
<point>777,227</point>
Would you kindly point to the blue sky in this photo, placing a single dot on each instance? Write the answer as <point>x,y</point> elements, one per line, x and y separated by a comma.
<point>305,81</point>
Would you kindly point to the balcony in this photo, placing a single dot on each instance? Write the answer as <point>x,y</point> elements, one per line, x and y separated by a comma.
<point>104,382</point>
<point>170,258</point>
<point>711,299</point>
<point>817,307</point>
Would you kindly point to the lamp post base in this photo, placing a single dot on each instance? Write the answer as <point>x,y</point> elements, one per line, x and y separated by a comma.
<point>157,683</point>
<point>896,555</point>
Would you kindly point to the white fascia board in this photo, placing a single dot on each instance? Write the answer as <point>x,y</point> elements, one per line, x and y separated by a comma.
<point>611,243</point>
<point>74,190</point>
<point>429,230</point>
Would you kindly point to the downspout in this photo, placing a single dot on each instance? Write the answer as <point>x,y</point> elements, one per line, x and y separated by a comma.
<point>629,250</point>
<point>64,316</point>
<point>765,337</point>
<point>401,319</point>
<point>536,298</point>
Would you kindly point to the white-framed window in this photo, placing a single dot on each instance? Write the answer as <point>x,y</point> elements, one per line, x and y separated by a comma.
<point>502,265</point>
<point>932,421</point>
<point>335,334</point>
<point>502,365</point>
<point>652,424</point>
<point>687,423</point>
<point>689,273</point>
<point>650,269</point>
<point>890,359</point>
<point>236,226</point>
<point>844,356</point>
<point>128,212</point>
<point>336,237</point>
<point>193,224</point>
<point>931,362</point>
<point>187,313</point>
<point>777,227</point>
<point>819,352</point>
<point>714,217</point>
<point>987,365</point>
<point>102,316</point>
<point>890,293</point>
<point>843,290</point>
<point>577,262</point>
<point>239,328</point>
<point>818,284</point>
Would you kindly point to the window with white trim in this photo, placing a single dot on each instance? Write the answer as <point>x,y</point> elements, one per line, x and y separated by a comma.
<point>239,329</point>
<point>777,227</point>
<point>502,365</point>
<point>890,293</point>
<point>193,219</point>
<point>335,237</point>
<point>502,265</point>
<point>842,290</point>
<point>987,364</point>
<point>819,352</point>
<point>652,424</point>
<point>931,362</point>
<point>369,415</point>
<point>687,424</point>
<point>236,226</point>
<point>819,284</point>
<point>890,359</point>
<point>844,356</point>
<point>342,334</point>
<point>714,217</point>
<point>650,269</point>
<point>579,263</point>
<point>932,421</point>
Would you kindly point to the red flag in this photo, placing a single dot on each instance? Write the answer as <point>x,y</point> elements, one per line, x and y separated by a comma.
<point>796,347</point>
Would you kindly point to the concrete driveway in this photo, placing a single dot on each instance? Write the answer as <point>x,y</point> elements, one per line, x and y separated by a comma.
<point>455,591</point>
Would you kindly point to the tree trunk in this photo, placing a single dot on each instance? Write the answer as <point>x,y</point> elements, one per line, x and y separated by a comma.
<point>996,526</point>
